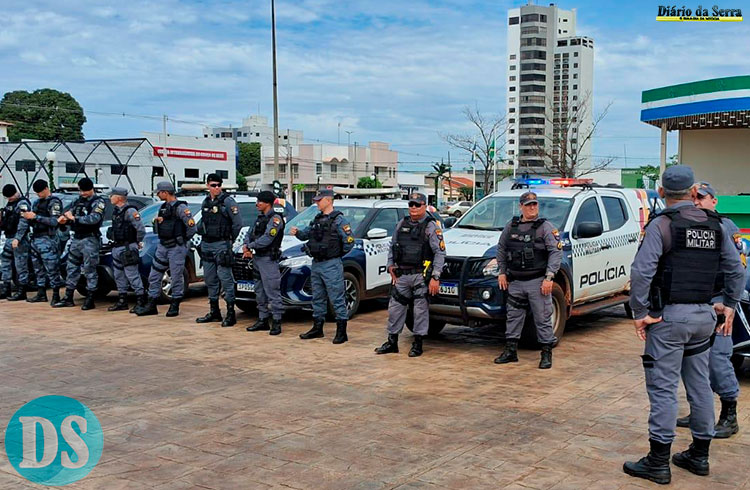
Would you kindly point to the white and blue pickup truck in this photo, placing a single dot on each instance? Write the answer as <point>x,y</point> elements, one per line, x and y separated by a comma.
<point>600,228</point>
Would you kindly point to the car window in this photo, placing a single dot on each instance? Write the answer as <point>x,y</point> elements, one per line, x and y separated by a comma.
<point>465,203</point>
<point>386,219</point>
<point>150,212</point>
<point>249,212</point>
<point>617,214</point>
<point>589,212</point>
<point>494,212</point>
<point>354,215</point>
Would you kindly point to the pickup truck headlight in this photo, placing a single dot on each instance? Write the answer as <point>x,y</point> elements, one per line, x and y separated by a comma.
<point>294,262</point>
<point>491,268</point>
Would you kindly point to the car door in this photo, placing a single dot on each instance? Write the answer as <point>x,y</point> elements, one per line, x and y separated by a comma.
<point>376,250</point>
<point>620,239</point>
<point>588,256</point>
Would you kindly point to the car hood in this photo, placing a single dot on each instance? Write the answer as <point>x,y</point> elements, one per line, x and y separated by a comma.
<point>460,242</point>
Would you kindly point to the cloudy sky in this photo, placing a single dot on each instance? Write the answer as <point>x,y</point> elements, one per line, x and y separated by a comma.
<point>395,71</point>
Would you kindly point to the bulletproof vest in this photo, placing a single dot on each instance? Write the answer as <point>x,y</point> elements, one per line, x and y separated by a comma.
<point>525,251</point>
<point>412,246</point>
<point>261,223</point>
<point>216,224</point>
<point>677,278</point>
<point>84,207</point>
<point>123,231</point>
<point>172,225</point>
<point>11,217</point>
<point>43,207</point>
<point>325,242</point>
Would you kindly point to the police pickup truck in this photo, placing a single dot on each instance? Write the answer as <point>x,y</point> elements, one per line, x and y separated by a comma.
<point>599,226</point>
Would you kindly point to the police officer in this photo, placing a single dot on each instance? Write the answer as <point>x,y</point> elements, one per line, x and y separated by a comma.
<point>219,226</point>
<point>174,226</point>
<point>721,372</point>
<point>329,238</point>
<point>45,246</point>
<point>263,245</point>
<point>85,218</point>
<point>672,282</point>
<point>529,253</point>
<point>416,255</point>
<point>126,232</point>
<point>16,249</point>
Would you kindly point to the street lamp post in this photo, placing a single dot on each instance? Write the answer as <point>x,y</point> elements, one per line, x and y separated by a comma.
<point>275,96</point>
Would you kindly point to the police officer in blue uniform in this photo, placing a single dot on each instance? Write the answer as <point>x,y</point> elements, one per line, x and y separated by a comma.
<point>415,260</point>
<point>722,375</point>
<point>263,245</point>
<point>329,238</point>
<point>126,232</point>
<point>219,226</point>
<point>45,246</point>
<point>174,226</point>
<point>85,218</point>
<point>529,253</point>
<point>16,249</point>
<point>672,284</point>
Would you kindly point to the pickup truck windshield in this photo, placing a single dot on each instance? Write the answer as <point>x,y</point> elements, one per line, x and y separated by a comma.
<point>495,212</point>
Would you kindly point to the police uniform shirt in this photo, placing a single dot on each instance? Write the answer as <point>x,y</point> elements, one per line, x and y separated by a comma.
<point>183,211</point>
<point>232,209</point>
<point>551,242</point>
<point>273,228</point>
<point>657,241</point>
<point>134,218</point>
<point>54,208</point>
<point>343,229</point>
<point>437,243</point>
<point>97,213</point>
<point>23,224</point>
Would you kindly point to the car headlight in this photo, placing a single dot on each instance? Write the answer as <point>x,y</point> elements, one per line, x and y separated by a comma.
<point>294,262</point>
<point>491,268</point>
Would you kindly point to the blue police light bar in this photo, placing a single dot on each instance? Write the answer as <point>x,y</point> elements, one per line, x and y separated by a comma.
<point>532,181</point>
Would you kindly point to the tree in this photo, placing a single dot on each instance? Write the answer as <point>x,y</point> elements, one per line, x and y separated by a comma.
<point>466,193</point>
<point>561,149</point>
<point>241,182</point>
<point>653,172</point>
<point>368,183</point>
<point>45,114</point>
<point>440,170</point>
<point>248,158</point>
<point>481,146</point>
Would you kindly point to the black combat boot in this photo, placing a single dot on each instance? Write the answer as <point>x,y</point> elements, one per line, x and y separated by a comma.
<point>140,302</point>
<point>695,459</point>
<point>654,466</point>
<point>20,294</point>
<point>5,290</point>
<point>389,346</point>
<point>67,301</point>
<point>275,327</point>
<point>88,301</point>
<point>174,308</point>
<point>261,324</point>
<point>546,361</point>
<point>231,318</point>
<point>122,303</point>
<point>213,315</point>
<point>148,309</point>
<point>55,296</point>
<point>510,352</point>
<point>41,296</point>
<point>684,421</point>
<point>316,331</point>
<point>727,425</point>
<point>341,336</point>
<point>416,347</point>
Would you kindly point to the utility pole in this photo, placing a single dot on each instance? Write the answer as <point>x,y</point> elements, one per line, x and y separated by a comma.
<point>494,161</point>
<point>450,178</point>
<point>275,96</point>
<point>354,163</point>
<point>338,139</point>
<point>291,172</point>
<point>165,151</point>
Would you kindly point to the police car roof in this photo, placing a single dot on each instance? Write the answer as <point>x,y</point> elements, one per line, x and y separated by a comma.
<point>371,203</point>
<point>199,198</point>
<point>541,190</point>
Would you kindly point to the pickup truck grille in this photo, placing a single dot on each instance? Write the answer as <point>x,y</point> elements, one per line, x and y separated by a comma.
<point>453,265</point>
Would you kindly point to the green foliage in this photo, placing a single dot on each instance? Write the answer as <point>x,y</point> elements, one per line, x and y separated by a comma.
<point>241,182</point>
<point>45,114</point>
<point>298,187</point>
<point>466,193</point>
<point>368,183</point>
<point>248,158</point>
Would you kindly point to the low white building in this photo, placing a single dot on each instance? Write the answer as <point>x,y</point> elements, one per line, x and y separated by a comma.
<point>255,129</point>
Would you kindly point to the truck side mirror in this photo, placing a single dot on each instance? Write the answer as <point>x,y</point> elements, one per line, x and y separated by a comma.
<point>588,229</point>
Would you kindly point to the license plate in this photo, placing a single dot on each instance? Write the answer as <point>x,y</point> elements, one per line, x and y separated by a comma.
<point>449,288</point>
<point>246,286</point>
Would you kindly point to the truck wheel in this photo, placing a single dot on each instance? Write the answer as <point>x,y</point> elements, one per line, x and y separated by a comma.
<point>352,296</point>
<point>628,310</point>
<point>103,288</point>
<point>737,362</point>
<point>247,306</point>
<point>166,286</point>
<point>436,326</point>
<point>559,317</point>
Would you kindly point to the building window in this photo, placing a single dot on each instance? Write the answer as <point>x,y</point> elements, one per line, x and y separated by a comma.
<point>511,99</point>
<point>562,43</point>
<point>512,131</point>
<point>511,142</point>
<point>192,173</point>
<point>575,75</point>
<point>224,174</point>
<point>295,170</point>
<point>25,165</point>
<point>118,170</point>
<point>512,89</point>
<point>512,56</point>
<point>512,78</point>
<point>74,168</point>
<point>511,121</point>
<point>257,135</point>
<point>530,18</point>
<point>318,168</point>
<point>575,87</point>
<point>575,54</point>
<point>244,135</point>
<point>157,171</point>
<point>575,65</point>
<point>575,42</point>
<point>512,21</point>
<point>512,67</point>
<point>542,18</point>
<point>334,170</point>
<point>286,137</point>
<point>512,109</point>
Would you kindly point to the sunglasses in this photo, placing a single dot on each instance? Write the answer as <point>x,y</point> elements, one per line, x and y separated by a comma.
<point>414,204</point>
<point>214,185</point>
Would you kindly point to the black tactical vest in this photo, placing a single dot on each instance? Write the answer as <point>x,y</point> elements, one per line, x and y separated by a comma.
<point>678,277</point>
<point>412,245</point>
<point>172,225</point>
<point>525,251</point>
<point>84,207</point>
<point>216,224</point>
<point>325,242</point>
<point>43,207</point>
<point>261,223</point>
<point>11,217</point>
<point>123,232</point>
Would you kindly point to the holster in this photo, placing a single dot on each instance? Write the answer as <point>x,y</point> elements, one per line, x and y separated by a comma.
<point>130,257</point>
<point>224,258</point>
<point>400,298</point>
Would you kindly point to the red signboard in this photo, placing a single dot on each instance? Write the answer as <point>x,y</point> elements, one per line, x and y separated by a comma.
<point>190,153</point>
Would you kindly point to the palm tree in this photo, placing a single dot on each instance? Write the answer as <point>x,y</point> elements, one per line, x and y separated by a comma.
<point>440,170</point>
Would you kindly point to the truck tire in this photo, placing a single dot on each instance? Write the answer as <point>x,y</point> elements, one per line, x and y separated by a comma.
<point>436,326</point>
<point>103,288</point>
<point>628,310</point>
<point>559,318</point>
<point>166,286</point>
<point>737,362</point>
<point>247,306</point>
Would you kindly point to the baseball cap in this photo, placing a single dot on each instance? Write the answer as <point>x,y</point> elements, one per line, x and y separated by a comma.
<point>266,197</point>
<point>678,178</point>
<point>119,191</point>
<point>704,188</point>
<point>528,198</point>
<point>164,185</point>
<point>9,190</point>
<point>39,185</point>
<point>418,198</point>
<point>323,193</point>
<point>86,184</point>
